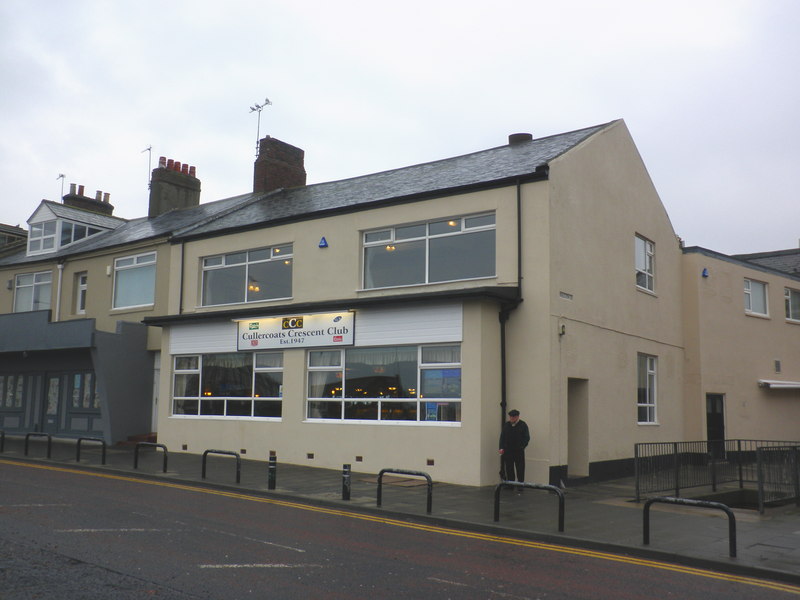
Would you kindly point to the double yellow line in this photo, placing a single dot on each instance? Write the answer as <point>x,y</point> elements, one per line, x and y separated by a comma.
<point>772,585</point>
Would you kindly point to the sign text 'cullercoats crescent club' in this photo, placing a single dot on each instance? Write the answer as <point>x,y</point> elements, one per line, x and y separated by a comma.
<point>296,331</point>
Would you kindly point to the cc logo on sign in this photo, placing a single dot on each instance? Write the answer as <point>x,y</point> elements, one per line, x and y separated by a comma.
<point>292,323</point>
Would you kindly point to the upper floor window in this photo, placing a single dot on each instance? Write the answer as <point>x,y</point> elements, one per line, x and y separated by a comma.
<point>755,297</point>
<point>135,280</point>
<point>49,236</point>
<point>33,291</point>
<point>647,370</point>
<point>443,250</point>
<point>81,287</point>
<point>248,276</point>
<point>42,237</point>
<point>645,252</point>
<point>792,300</point>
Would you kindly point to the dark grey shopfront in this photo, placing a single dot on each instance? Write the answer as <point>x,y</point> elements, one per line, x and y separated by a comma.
<point>70,379</point>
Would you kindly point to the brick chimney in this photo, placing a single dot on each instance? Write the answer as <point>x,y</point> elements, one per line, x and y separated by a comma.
<point>99,204</point>
<point>172,186</point>
<point>279,165</point>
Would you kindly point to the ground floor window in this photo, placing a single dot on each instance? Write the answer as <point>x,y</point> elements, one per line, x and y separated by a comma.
<point>11,388</point>
<point>231,384</point>
<point>388,383</point>
<point>646,398</point>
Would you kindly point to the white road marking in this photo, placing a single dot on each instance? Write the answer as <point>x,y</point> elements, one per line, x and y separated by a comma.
<point>117,530</point>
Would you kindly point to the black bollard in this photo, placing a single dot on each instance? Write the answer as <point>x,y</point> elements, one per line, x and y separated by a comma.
<point>345,482</point>
<point>272,471</point>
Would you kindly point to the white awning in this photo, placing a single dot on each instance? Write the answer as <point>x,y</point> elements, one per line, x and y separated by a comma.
<point>779,385</point>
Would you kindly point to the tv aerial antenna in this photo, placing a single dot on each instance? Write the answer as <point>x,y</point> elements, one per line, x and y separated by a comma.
<point>258,108</point>
<point>61,176</point>
<point>149,151</point>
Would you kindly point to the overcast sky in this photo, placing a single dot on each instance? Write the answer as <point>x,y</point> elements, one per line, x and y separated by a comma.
<point>708,89</point>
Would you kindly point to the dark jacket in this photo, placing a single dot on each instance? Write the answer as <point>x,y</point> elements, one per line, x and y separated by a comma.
<point>514,437</point>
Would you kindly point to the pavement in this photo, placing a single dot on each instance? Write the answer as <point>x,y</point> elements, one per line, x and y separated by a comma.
<point>602,517</point>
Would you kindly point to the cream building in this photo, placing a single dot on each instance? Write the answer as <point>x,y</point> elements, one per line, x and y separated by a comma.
<point>392,320</point>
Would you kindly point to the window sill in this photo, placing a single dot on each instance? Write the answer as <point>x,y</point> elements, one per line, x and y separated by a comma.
<point>223,418</point>
<point>140,308</point>
<point>656,424</point>
<point>210,307</point>
<point>756,315</point>
<point>646,291</point>
<point>424,284</point>
<point>385,423</point>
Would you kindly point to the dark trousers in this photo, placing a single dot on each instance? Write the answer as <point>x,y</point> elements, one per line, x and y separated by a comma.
<point>514,463</point>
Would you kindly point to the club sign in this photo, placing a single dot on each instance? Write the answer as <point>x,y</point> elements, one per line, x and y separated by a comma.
<point>296,331</point>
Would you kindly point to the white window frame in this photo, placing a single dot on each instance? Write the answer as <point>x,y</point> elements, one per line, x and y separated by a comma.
<point>45,241</point>
<point>129,263</point>
<point>788,295</point>
<point>200,397</point>
<point>38,280</point>
<point>644,261</point>
<point>420,400</point>
<point>647,367</point>
<point>81,289</point>
<point>388,237</point>
<point>278,252</point>
<point>750,288</point>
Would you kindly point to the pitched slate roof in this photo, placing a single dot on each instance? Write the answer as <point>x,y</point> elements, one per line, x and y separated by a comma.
<point>82,216</point>
<point>787,261</point>
<point>496,165</point>
<point>137,230</point>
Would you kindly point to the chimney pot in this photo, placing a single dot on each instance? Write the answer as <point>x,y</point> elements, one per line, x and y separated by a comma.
<point>192,171</point>
<point>162,162</point>
<point>185,169</point>
<point>176,166</point>
<point>98,195</point>
<point>72,188</point>
<point>80,190</point>
<point>170,164</point>
<point>106,197</point>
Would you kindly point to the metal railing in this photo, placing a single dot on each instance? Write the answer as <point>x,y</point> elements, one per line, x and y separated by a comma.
<point>49,437</point>
<point>89,439</point>
<point>406,472</point>
<point>690,502</point>
<point>676,466</point>
<point>537,486</point>
<point>227,453</point>
<point>148,445</point>
<point>778,474</point>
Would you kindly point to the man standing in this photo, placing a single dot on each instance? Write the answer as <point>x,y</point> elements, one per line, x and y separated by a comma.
<point>514,438</point>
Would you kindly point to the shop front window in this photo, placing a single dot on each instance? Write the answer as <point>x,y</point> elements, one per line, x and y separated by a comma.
<point>392,383</point>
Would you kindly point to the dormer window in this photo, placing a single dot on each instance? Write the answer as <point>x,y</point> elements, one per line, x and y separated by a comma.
<point>42,237</point>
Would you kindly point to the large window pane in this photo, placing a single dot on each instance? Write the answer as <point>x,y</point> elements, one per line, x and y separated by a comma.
<point>394,264</point>
<point>224,286</point>
<point>271,279</point>
<point>228,374</point>
<point>441,383</point>
<point>381,372</point>
<point>463,256</point>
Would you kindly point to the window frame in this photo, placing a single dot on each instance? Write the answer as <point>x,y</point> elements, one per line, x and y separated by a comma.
<point>748,297</point>
<point>392,236</point>
<point>139,262</point>
<point>425,407</point>
<point>791,315</point>
<point>37,234</point>
<point>225,400</point>
<point>644,263</point>
<point>34,285</point>
<point>647,401</point>
<point>81,291</point>
<point>277,253</point>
